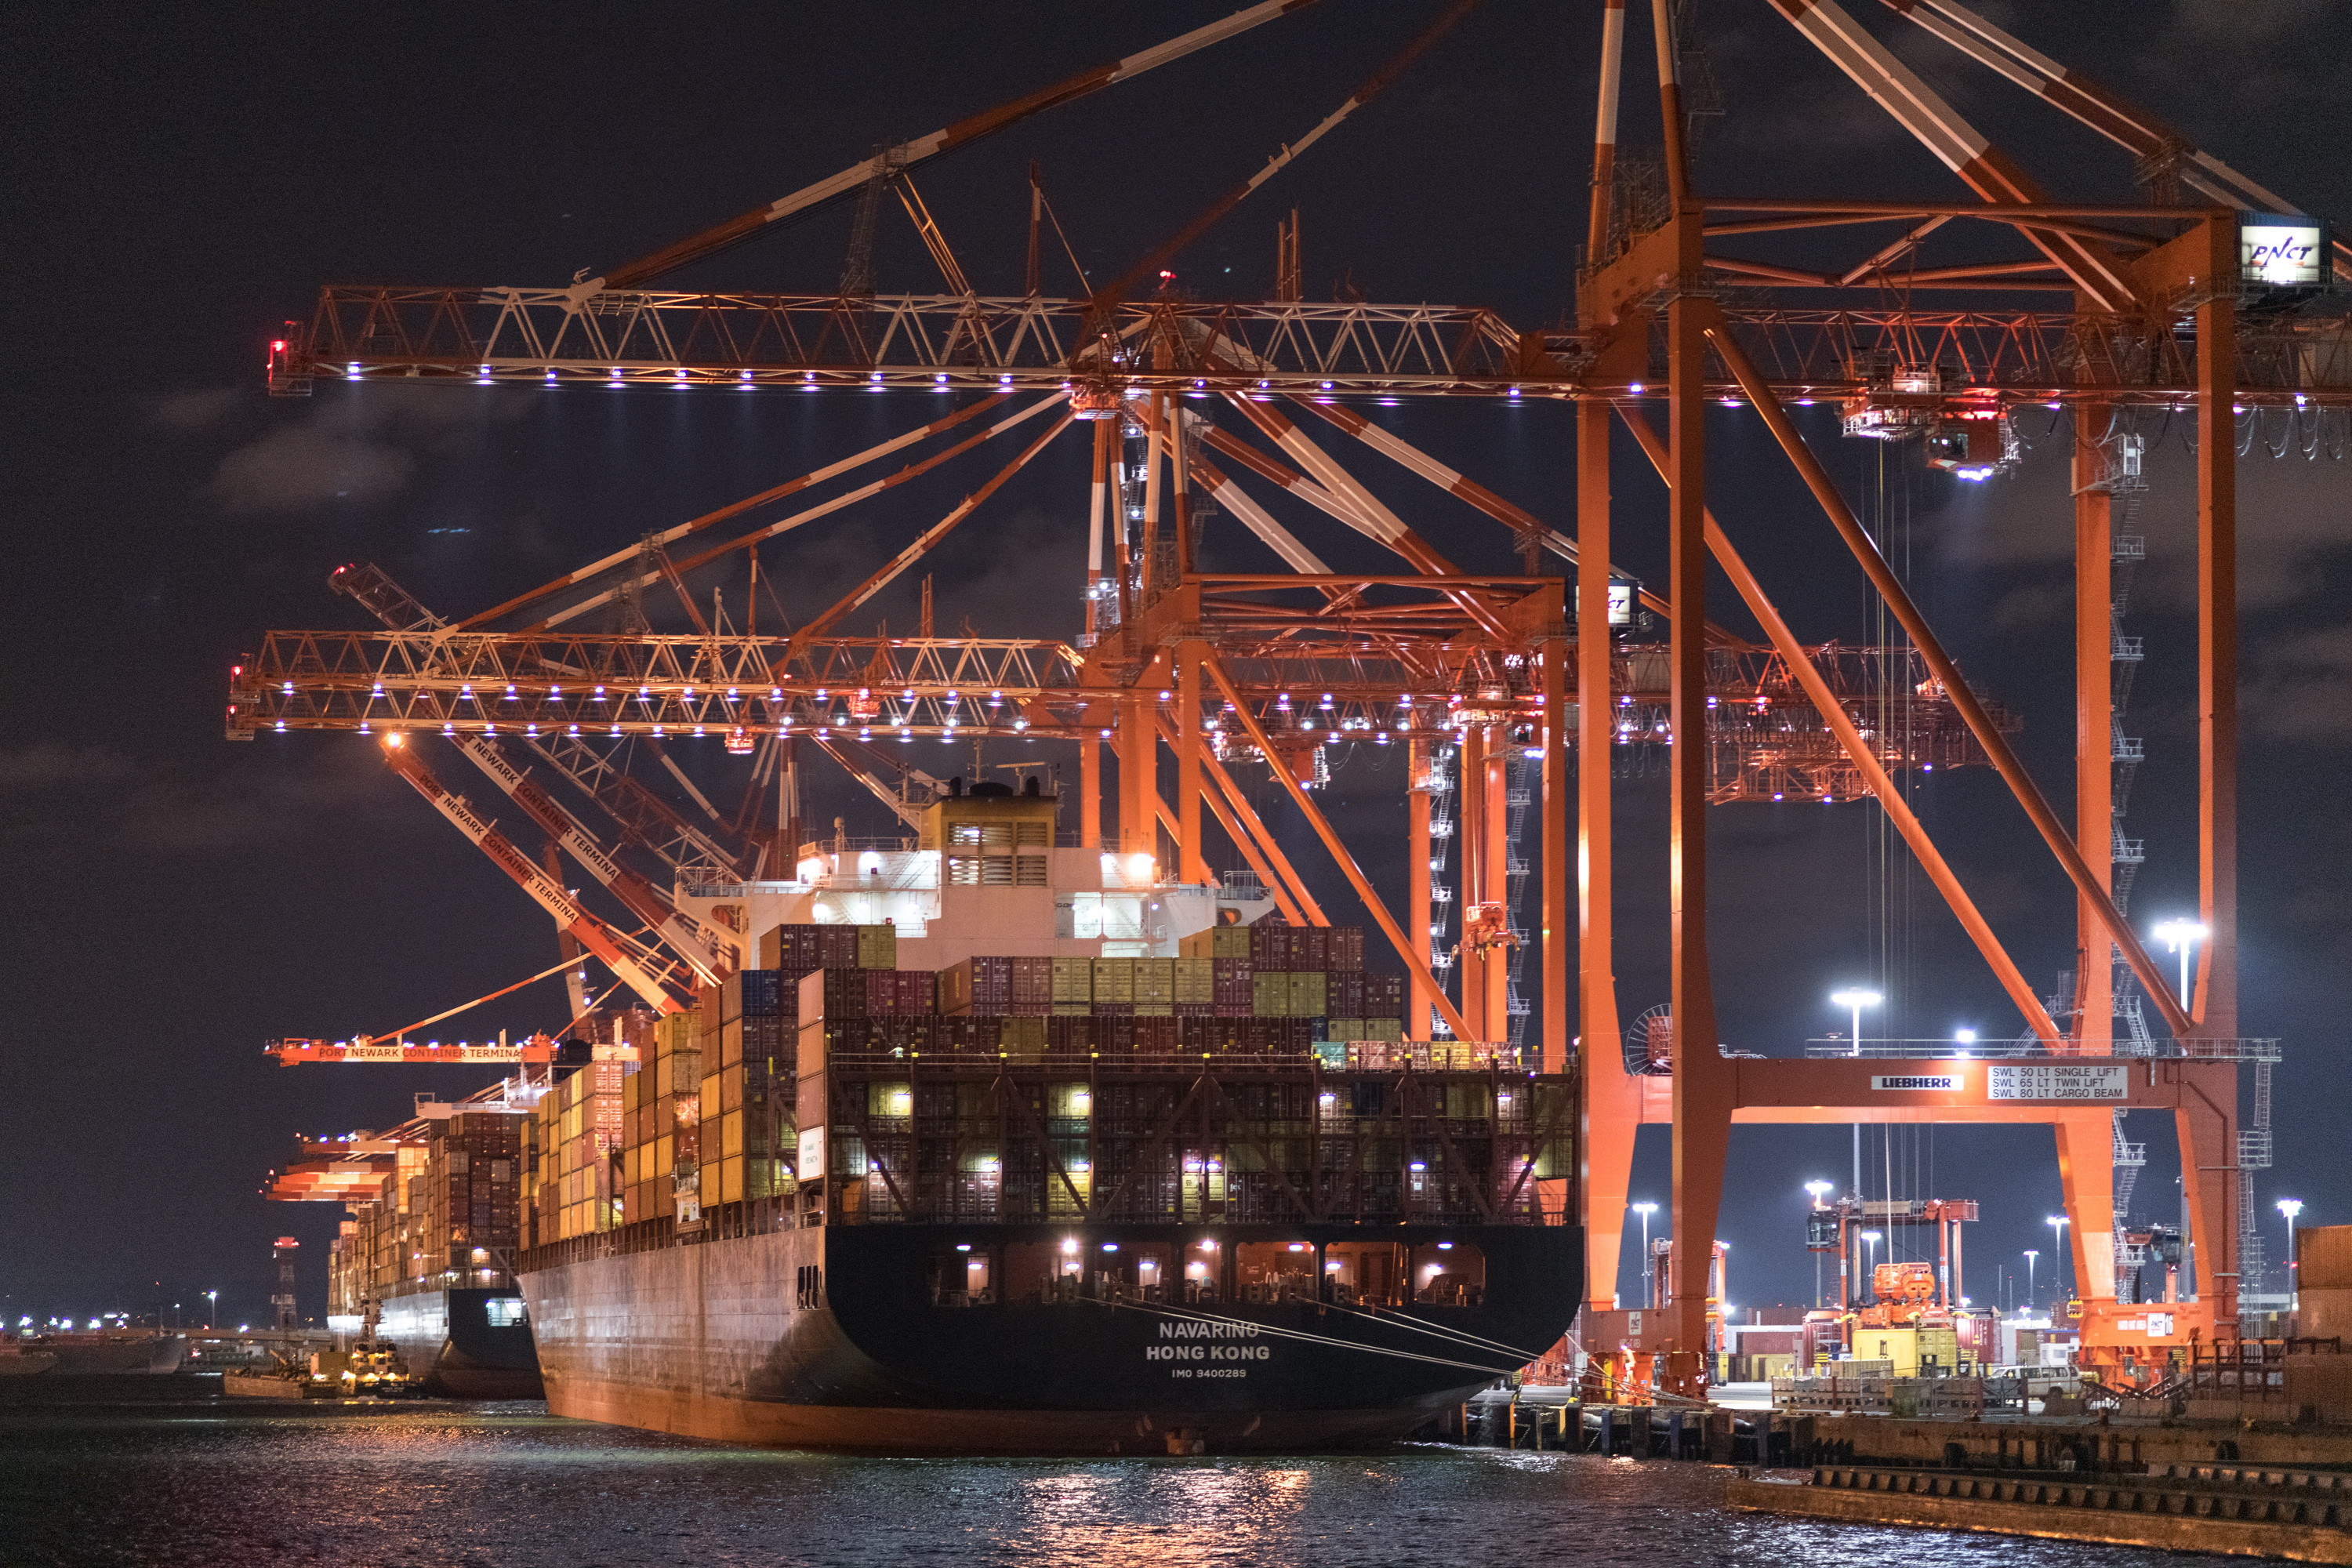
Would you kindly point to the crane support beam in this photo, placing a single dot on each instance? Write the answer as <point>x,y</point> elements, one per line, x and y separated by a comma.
<point>785,525</point>
<point>669,536</point>
<point>1398,942</point>
<point>1898,602</point>
<point>643,899</point>
<point>1957,145</point>
<point>1866,761</point>
<point>923,542</point>
<point>545,891</point>
<point>944,344</point>
<point>907,155</point>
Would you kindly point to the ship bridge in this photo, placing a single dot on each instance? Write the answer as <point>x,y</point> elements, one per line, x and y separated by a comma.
<point>983,874</point>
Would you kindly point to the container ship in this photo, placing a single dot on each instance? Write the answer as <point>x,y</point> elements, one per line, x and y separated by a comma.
<point>1008,1148</point>
<point>425,1262</point>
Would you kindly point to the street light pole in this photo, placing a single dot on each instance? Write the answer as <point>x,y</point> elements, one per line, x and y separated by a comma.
<point>2182,937</point>
<point>1870,1240</point>
<point>2057,1222</point>
<point>1819,1190</point>
<point>2292,1207</point>
<point>1854,999</point>
<point>1649,1273</point>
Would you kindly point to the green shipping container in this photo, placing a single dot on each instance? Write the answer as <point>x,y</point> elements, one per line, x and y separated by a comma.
<point>1309,994</point>
<point>1382,1030</point>
<point>1270,995</point>
<point>1196,980</point>
<point>1230,941</point>
<point>877,947</point>
<point>1344,1029</point>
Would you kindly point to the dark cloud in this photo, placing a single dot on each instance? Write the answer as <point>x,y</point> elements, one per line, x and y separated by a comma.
<point>301,466</point>
<point>47,765</point>
<point>353,449</point>
<point>190,409</point>
<point>2301,689</point>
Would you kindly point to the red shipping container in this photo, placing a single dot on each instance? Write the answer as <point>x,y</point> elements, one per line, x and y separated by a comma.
<point>1313,949</point>
<point>1347,948</point>
<point>1033,984</point>
<point>1344,995</point>
<point>1232,982</point>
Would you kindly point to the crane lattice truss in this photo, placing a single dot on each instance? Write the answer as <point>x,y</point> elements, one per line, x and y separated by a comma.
<point>2215,307</point>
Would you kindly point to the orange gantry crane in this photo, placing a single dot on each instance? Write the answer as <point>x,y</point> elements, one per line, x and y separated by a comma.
<point>1232,671</point>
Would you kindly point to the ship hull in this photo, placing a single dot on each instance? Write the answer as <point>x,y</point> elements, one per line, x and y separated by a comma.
<point>728,1341</point>
<point>450,1339</point>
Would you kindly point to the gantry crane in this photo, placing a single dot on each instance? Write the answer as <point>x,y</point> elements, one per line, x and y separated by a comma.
<point>1270,667</point>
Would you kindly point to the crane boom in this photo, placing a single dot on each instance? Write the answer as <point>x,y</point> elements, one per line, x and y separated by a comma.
<point>645,818</point>
<point>644,899</point>
<point>907,155</point>
<point>574,921</point>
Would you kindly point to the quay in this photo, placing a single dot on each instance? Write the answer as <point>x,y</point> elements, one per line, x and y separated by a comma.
<point>2301,1516</point>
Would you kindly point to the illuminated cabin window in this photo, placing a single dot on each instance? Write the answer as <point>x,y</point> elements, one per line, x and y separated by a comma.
<point>963,870</point>
<point>963,833</point>
<point>505,1311</point>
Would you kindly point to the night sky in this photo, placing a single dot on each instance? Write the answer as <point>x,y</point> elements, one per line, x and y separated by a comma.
<point>180,183</point>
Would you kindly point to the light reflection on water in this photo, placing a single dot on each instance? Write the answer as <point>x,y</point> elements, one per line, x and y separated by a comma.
<point>511,1485</point>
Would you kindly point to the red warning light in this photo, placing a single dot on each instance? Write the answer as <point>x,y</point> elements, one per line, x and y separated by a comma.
<point>277,345</point>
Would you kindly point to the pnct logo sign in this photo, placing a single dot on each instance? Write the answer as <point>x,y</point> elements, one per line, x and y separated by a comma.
<point>2290,255</point>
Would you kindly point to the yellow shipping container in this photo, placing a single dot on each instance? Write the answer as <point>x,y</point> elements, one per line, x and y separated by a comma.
<point>1114,980</point>
<point>730,1135</point>
<point>1196,978</point>
<point>1155,981</point>
<point>1074,982</point>
<point>710,1097</point>
<point>1022,1037</point>
<point>1900,1346</point>
<point>730,1180</point>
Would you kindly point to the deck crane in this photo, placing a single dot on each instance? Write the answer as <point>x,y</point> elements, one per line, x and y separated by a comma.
<point>545,890</point>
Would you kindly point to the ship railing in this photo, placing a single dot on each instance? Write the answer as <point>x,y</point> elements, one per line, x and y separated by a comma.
<point>862,1063</point>
<point>2265,1049</point>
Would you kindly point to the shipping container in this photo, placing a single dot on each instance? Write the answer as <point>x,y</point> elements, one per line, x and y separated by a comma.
<point>1073,982</point>
<point>1114,980</point>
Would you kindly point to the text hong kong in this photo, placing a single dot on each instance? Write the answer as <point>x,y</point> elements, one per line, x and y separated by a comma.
<point>1188,1335</point>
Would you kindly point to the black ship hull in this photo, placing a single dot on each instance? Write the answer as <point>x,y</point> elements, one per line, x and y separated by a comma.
<point>843,1337</point>
<point>470,1344</point>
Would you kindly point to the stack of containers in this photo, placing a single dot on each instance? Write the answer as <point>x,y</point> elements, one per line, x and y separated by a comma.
<point>661,1115</point>
<point>745,1086</point>
<point>474,1178</point>
<point>580,1130</point>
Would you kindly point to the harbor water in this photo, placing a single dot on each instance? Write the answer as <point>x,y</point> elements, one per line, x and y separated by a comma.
<point>508,1484</point>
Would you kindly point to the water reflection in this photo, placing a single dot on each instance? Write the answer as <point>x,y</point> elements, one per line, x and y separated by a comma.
<point>511,1485</point>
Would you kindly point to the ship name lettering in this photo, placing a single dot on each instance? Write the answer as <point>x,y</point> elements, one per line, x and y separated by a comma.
<point>1201,1329</point>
